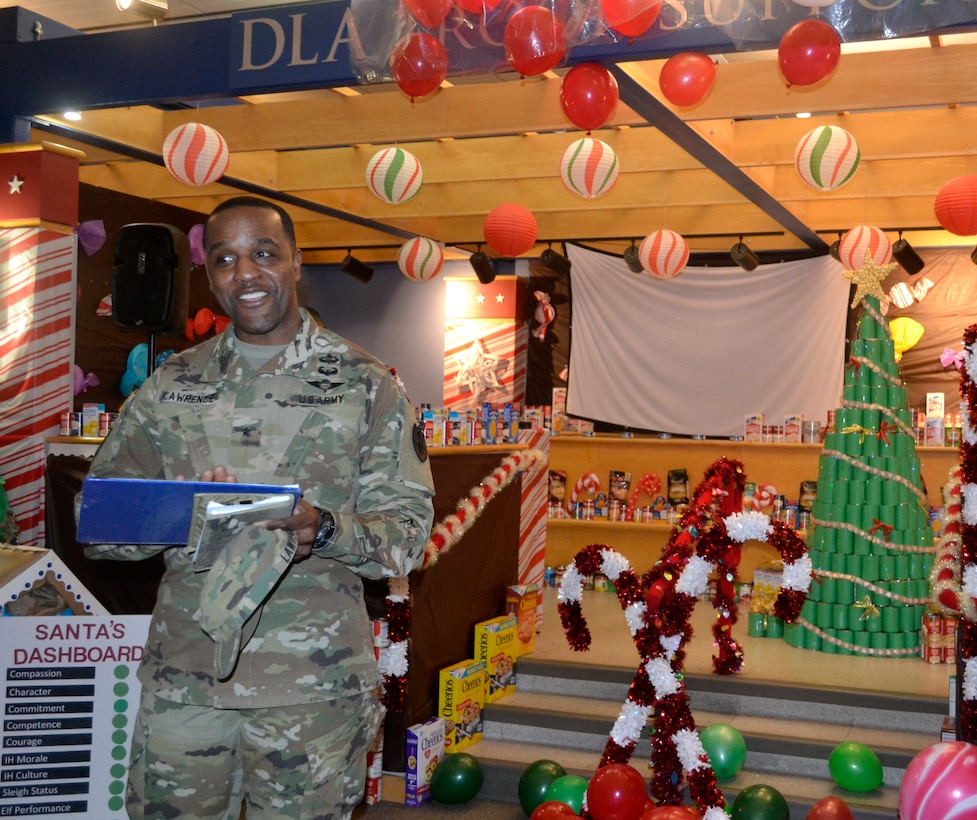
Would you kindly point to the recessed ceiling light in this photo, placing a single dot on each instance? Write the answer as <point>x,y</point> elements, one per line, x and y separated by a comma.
<point>803,115</point>
<point>72,115</point>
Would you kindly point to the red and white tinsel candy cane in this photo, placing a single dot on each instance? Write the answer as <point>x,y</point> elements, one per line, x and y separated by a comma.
<point>650,484</point>
<point>763,496</point>
<point>587,484</point>
<point>945,577</point>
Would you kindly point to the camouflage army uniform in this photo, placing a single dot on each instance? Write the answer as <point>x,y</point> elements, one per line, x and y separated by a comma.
<point>322,414</point>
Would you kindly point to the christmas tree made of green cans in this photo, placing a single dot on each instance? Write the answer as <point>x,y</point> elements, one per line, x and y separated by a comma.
<point>871,544</point>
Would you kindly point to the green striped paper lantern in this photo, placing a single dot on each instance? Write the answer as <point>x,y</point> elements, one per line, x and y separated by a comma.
<point>420,259</point>
<point>394,175</point>
<point>589,167</point>
<point>826,157</point>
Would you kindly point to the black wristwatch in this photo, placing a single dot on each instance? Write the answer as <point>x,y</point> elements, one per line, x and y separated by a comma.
<point>327,528</point>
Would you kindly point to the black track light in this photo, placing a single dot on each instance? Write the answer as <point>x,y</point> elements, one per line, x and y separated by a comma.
<point>555,261</point>
<point>355,268</point>
<point>835,250</point>
<point>632,258</point>
<point>744,256</point>
<point>482,266</point>
<point>905,254</point>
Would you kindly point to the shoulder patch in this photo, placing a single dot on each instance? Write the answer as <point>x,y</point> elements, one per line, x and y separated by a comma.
<point>420,444</point>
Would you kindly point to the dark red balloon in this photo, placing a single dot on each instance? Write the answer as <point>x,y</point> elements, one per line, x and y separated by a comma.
<point>672,813</point>
<point>687,78</point>
<point>830,808</point>
<point>809,51</point>
<point>419,64</point>
<point>535,40</point>
<point>589,95</point>
<point>552,810</point>
<point>617,791</point>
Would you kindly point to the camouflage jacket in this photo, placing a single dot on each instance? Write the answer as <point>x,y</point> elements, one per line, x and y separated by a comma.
<point>322,414</point>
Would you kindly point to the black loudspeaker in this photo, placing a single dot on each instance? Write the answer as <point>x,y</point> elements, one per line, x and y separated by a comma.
<point>151,278</point>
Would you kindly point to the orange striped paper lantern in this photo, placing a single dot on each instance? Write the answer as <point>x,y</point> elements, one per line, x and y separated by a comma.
<point>420,259</point>
<point>826,157</point>
<point>394,175</point>
<point>589,167</point>
<point>195,154</point>
<point>510,229</point>
<point>956,206</point>
<point>861,243</point>
<point>663,254</point>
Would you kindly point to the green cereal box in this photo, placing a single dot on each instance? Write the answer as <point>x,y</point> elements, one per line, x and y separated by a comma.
<point>521,602</point>
<point>461,698</point>
<point>497,645</point>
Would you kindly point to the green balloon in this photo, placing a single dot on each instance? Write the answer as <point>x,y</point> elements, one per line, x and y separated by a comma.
<point>569,789</point>
<point>534,781</point>
<point>726,749</point>
<point>457,778</point>
<point>760,802</point>
<point>855,767</point>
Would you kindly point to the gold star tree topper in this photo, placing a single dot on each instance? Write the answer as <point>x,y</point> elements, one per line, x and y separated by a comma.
<point>868,279</point>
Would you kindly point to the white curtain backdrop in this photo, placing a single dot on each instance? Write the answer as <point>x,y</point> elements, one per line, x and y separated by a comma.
<point>696,354</point>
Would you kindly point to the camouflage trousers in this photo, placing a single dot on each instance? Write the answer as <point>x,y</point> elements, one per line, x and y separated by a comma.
<point>305,762</point>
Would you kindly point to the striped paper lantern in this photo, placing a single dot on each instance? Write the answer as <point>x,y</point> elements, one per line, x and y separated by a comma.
<point>589,167</point>
<point>195,154</point>
<point>510,229</point>
<point>420,259</point>
<point>394,175</point>
<point>860,243</point>
<point>663,253</point>
<point>826,157</point>
<point>956,206</point>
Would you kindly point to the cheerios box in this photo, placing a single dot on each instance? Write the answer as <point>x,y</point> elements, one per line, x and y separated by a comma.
<point>521,602</point>
<point>461,698</point>
<point>496,644</point>
<point>425,749</point>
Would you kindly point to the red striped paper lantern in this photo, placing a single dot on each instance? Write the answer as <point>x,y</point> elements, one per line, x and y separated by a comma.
<point>195,154</point>
<point>956,206</point>
<point>420,259</point>
<point>663,254</point>
<point>394,175</point>
<point>862,242</point>
<point>589,167</point>
<point>826,157</point>
<point>510,229</point>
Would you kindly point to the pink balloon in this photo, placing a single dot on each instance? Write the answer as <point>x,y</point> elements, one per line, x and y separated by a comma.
<point>632,18</point>
<point>687,78</point>
<point>940,782</point>
<point>809,51</point>
<point>588,95</point>
<point>419,64</point>
<point>429,13</point>
<point>535,41</point>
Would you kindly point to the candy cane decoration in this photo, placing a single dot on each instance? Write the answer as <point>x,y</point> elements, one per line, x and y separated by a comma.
<point>587,484</point>
<point>651,484</point>
<point>763,496</point>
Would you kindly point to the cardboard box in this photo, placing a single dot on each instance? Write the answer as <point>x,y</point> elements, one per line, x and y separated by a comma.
<point>461,698</point>
<point>521,602</point>
<point>496,644</point>
<point>90,414</point>
<point>425,750</point>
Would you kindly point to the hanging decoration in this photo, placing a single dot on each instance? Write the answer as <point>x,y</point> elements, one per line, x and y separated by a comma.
<point>195,236</point>
<point>544,314</point>
<point>419,64</point>
<point>632,18</point>
<point>589,168</point>
<point>809,52</point>
<point>687,78</point>
<point>195,154</point>
<point>663,254</point>
<point>429,13</point>
<point>956,206</point>
<point>826,157</point>
<point>420,259</point>
<point>589,95</point>
<point>91,236</point>
<point>394,175</point>
<point>864,242</point>
<point>83,380</point>
<point>535,40</point>
<point>906,334</point>
<point>510,229</point>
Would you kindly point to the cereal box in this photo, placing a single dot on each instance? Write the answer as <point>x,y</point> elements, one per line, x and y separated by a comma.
<point>792,429</point>
<point>89,418</point>
<point>521,601</point>
<point>496,644</point>
<point>935,405</point>
<point>461,697</point>
<point>425,749</point>
<point>753,429</point>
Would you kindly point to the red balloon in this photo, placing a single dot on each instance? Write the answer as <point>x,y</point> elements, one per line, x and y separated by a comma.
<point>419,64</point>
<point>672,813</point>
<point>203,321</point>
<point>588,95</point>
<point>429,13</point>
<point>632,18</point>
<point>830,808</point>
<point>535,40</point>
<point>478,6</point>
<point>551,810</point>
<point>809,51</point>
<point>617,791</point>
<point>220,324</point>
<point>687,78</point>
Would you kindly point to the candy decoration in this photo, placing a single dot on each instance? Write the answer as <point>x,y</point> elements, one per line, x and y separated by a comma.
<point>861,243</point>
<point>195,154</point>
<point>826,157</point>
<point>763,496</point>
<point>510,229</point>
<point>394,175</point>
<point>420,259</point>
<point>588,484</point>
<point>956,206</point>
<point>663,254</point>
<point>589,167</point>
<point>940,781</point>
<point>649,484</point>
<point>544,314</point>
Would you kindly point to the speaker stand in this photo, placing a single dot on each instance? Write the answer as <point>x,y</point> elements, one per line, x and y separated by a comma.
<point>150,355</point>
